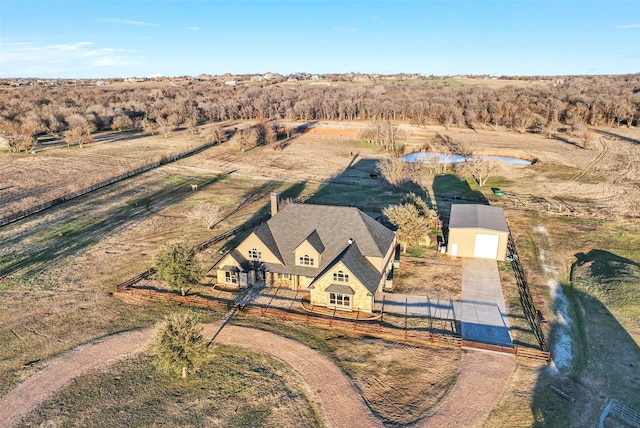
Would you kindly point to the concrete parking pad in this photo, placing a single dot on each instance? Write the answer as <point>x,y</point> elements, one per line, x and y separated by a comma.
<point>483,310</point>
<point>418,305</point>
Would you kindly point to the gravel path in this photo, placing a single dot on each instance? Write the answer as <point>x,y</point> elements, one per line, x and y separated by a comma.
<point>340,403</point>
<point>60,371</point>
<point>481,381</point>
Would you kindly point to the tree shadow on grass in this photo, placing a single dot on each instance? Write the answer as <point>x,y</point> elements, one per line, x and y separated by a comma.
<point>451,189</point>
<point>605,358</point>
<point>84,221</point>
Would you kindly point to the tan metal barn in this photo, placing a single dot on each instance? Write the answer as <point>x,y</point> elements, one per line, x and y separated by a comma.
<point>478,231</point>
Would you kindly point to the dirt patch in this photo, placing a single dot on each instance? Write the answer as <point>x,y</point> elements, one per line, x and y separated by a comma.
<point>483,375</point>
<point>395,380</point>
<point>437,277</point>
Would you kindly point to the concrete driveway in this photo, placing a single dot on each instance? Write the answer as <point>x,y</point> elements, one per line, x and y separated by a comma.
<point>417,305</point>
<point>483,313</point>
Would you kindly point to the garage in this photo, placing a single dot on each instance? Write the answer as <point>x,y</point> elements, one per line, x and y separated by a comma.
<point>486,246</point>
<point>478,231</point>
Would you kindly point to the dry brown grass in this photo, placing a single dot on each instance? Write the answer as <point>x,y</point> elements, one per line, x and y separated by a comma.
<point>438,277</point>
<point>65,261</point>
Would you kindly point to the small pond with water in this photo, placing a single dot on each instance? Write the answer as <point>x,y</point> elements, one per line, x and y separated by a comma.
<point>428,157</point>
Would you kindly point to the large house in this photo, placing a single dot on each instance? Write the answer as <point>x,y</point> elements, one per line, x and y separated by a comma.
<point>341,255</point>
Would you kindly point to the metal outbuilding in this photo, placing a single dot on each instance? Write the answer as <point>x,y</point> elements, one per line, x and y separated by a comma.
<point>478,231</point>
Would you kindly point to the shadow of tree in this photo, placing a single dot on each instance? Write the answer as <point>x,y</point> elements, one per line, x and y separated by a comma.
<point>605,364</point>
<point>605,356</point>
<point>605,268</point>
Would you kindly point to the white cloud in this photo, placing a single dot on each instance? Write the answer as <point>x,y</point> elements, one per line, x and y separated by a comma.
<point>130,22</point>
<point>34,59</point>
<point>628,26</point>
<point>345,29</point>
<point>192,28</point>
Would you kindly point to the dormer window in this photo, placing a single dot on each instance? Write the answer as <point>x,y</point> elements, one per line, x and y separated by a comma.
<point>254,254</point>
<point>340,276</point>
<point>306,260</point>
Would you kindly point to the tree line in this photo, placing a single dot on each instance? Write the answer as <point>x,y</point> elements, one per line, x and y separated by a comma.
<point>75,112</point>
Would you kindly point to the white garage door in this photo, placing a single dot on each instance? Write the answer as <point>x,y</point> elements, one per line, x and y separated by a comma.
<point>486,246</point>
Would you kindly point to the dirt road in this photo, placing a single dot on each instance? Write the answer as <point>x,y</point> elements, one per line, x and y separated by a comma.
<point>481,381</point>
<point>340,403</point>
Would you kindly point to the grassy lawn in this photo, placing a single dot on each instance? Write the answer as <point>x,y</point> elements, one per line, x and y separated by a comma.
<point>237,388</point>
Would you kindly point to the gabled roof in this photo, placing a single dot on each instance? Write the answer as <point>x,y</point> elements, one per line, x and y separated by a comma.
<point>264,234</point>
<point>358,265</point>
<point>333,226</point>
<point>314,240</point>
<point>478,216</point>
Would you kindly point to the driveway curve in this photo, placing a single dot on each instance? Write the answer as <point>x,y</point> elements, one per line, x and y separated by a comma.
<point>339,401</point>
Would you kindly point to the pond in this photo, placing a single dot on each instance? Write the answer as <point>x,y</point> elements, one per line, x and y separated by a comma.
<point>430,157</point>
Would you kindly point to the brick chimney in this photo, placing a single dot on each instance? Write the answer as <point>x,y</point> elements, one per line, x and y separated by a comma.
<point>275,203</point>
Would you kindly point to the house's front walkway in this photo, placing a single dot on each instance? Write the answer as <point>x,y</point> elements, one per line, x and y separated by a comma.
<point>483,311</point>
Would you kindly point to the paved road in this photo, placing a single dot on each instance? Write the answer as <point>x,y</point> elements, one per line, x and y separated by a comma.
<point>483,313</point>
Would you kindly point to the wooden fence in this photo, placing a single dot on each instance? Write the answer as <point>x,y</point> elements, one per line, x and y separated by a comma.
<point>69,196</point>
<point>373,328</point>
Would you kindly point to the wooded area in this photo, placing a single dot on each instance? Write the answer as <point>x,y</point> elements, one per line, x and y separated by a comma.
<point>73,112</point>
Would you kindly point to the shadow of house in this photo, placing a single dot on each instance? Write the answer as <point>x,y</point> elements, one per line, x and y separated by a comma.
<point>361,184</point>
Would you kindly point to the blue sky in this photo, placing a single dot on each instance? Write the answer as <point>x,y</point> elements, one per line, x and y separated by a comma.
<point>98,39</point>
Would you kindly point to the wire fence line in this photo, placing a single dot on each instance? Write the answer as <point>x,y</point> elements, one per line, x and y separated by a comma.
<point>104,183</point>
<point>526,298</point>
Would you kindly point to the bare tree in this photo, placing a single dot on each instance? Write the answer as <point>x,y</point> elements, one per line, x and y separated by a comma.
<point>206,214</point>
<point>216,134</point>
<point>121,122</point>
<point>443,148</point>
<point>396,171</point>
<point>383,133</point>
<point>481,169</point>
<point>79,131</point>
<point>247,138</point>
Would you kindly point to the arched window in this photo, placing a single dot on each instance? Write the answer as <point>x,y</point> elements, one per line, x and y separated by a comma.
<point>306,260</point>
<point>340,276</point>
<point>254,254</point>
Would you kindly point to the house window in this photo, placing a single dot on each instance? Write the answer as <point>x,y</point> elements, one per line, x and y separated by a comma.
<point>231,277</point>
<point>341,300</point>
<point>284,276</point>
<point>254,254</point>
<point>306,260</point>
<point>340,276</point>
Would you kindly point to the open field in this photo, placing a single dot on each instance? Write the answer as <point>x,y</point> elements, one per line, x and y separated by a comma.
<point>60,266</point>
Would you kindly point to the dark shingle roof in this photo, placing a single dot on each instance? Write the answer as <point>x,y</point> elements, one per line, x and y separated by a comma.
<point>480,216</point>
<point>315,241</point>
<point>333,226</point>
<point>358,265</point>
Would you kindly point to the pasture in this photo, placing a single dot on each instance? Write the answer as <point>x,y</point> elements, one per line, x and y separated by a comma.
<point>59,267</point>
